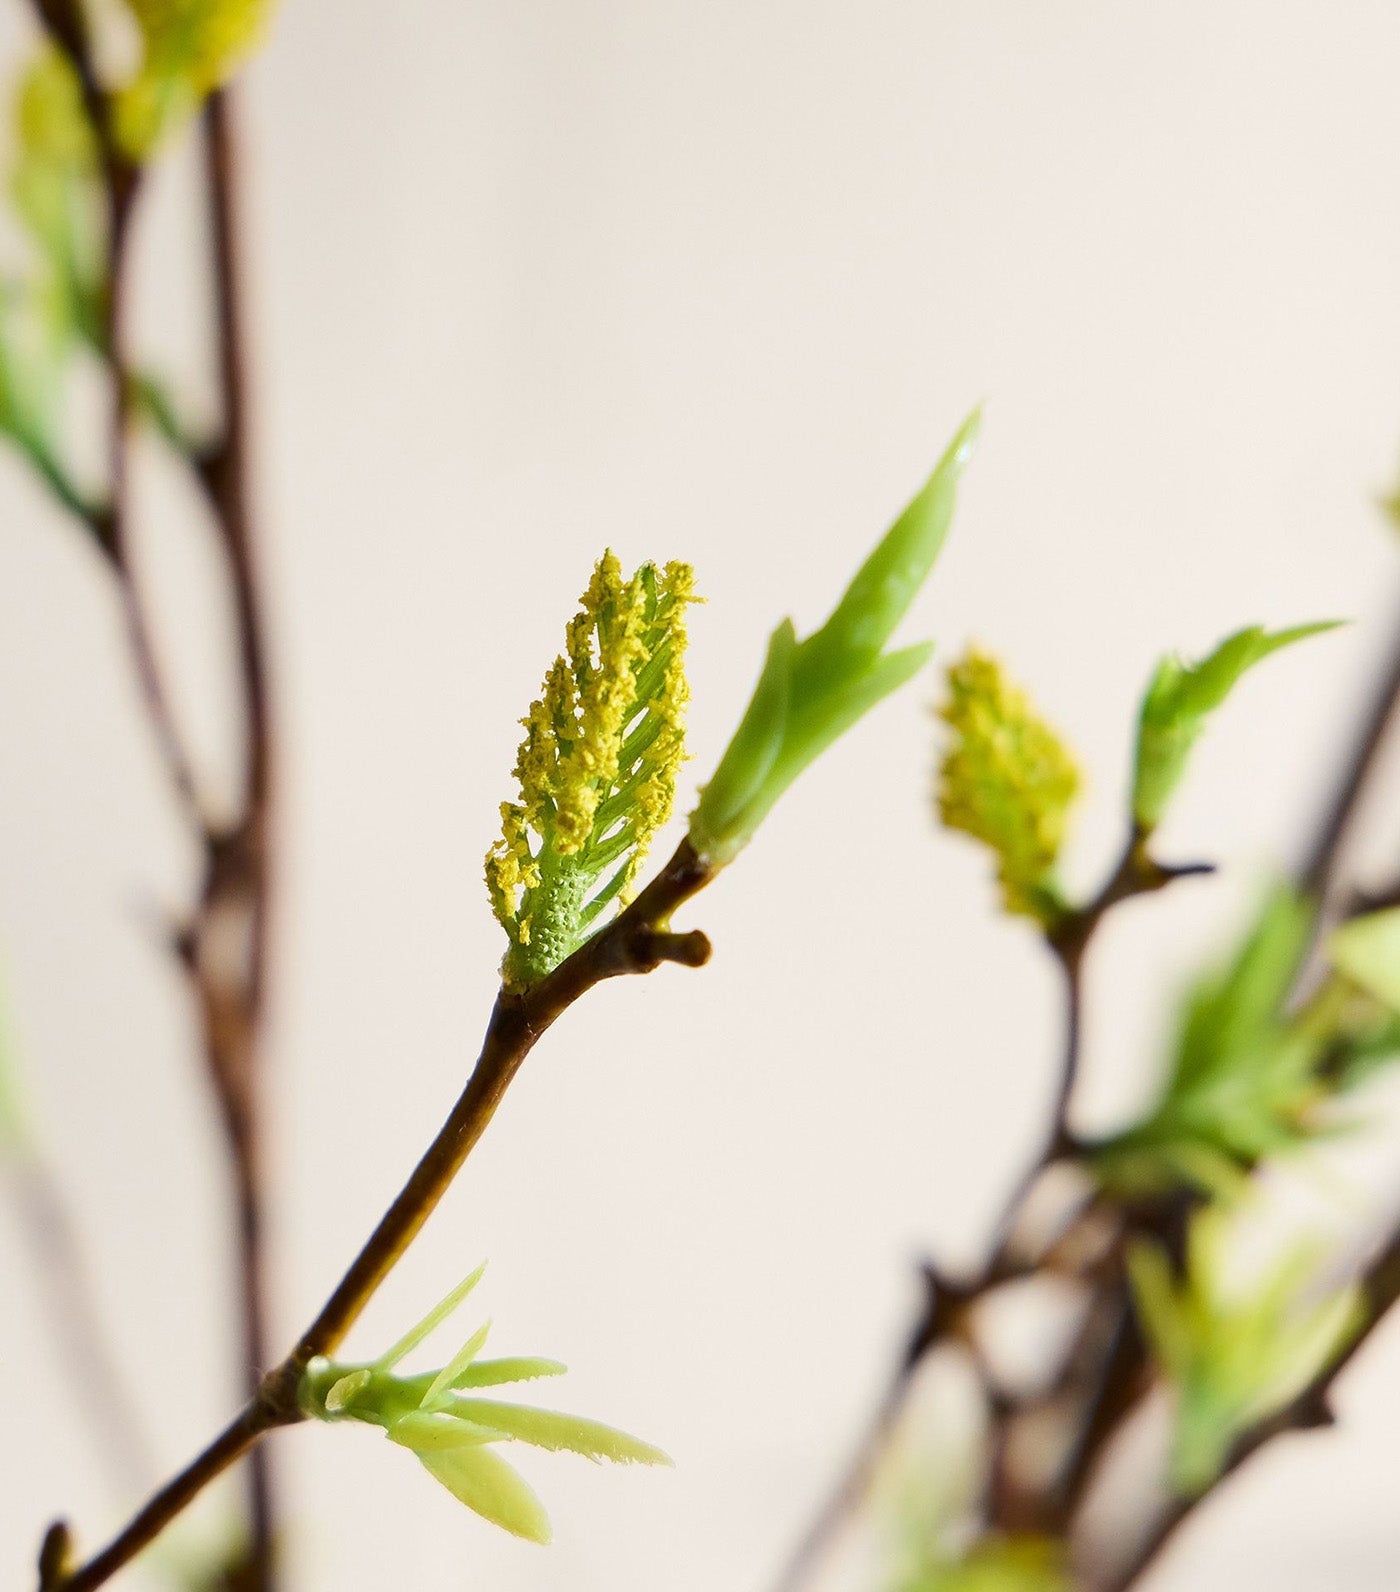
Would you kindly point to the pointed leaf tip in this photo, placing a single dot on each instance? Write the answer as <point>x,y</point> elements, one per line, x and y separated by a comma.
<point>485,1483</point>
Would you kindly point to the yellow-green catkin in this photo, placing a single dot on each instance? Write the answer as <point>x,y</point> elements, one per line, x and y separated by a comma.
<point>191,47</point>
<point>597,768</point>
<point>51,124</point>
<point>1006,780</point>
<point>204,40</point>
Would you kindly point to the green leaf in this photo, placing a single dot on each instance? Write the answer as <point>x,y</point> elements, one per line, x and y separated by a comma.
<point>1180,698</point>
<point>553,1430</point>
<point>1234,1353</point>
<point>1367,950</point>
<point>494,1373</point>
<point>456,1367</point>
<point>430,1431</point>
<point>434,1319</point>
<point>1245,1078</point>
<point>810,692</point>
<point>484,1482</point>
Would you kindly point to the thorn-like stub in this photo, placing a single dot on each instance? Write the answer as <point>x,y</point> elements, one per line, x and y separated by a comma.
<point>649,948</point>
<point>55,1557</point>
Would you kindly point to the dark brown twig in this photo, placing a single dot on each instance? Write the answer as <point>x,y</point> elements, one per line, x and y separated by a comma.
<point>224,946</point>
<point>1317,875</point>
<point>636,942</point>
<point>238,880</point>
<point>948,1302</point>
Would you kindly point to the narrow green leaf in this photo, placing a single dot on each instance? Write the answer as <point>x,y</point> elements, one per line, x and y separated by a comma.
<point>447,1377</point>
<point>430,1431</point>
<point>434,1319</point>
<point>812,691</point>
<point>553,1430</point>
<point>717,826</point>
<point>888,581</point>
<point>484,1482</point>
<point>520,1368</point>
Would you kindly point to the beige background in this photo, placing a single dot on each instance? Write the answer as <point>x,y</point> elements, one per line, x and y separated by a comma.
<point>715,282</point>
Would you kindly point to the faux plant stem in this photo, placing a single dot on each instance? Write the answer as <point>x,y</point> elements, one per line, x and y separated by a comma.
<point>637,941</point>
<point>236,867</point>
<point>947,1300</point>
<point>239,865</point>
<point>1318,871</point>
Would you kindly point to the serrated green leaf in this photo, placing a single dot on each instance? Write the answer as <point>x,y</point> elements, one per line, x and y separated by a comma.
<point>553,1430</point>
<point>520,1368</point>
<point>1180,698</point>
<point>485,1483</point>
<point>430,1431</point>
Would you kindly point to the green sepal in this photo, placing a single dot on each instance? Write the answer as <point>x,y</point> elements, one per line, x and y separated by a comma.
<point>1179,699</point>
<point>811,691</point>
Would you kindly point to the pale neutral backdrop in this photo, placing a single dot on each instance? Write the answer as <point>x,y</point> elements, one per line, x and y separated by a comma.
<point>714,282</point>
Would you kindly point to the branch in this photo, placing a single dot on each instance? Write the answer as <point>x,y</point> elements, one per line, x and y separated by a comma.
<point>236,883</point>
<point>945,1315</point>
<point>1311,1410</point>
<point>639,940</point>
<point>1319,869</point>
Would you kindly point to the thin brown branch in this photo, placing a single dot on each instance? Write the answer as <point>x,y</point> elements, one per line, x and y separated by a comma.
<point>948,1302</point>
<point>96,1382</point>
<point>56,1572</point>
<point>232,909</point>
<point>639,940</point>
<point>1318,873</point>
<point>239,873</point>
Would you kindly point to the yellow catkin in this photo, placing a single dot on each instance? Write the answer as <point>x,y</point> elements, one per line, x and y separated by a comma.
<point>200,40</point>
<point>1006,779</point>
<point>597,767</point>
<point>51,124</point>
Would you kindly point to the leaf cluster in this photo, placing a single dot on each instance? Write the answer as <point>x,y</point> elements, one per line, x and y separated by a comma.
<point>439,1417</point>
<point>812,691</point>
<point>1233,1355</point>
